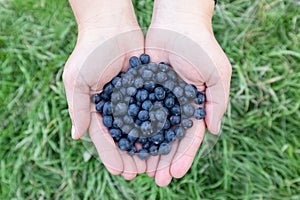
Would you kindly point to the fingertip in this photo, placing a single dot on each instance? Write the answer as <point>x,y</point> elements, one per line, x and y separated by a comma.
<point>163,178</point>
<point>214,127</point>
<point>181,166</point>
<point>129,176</point>
<point>151,174</point>
<point>114,171</point>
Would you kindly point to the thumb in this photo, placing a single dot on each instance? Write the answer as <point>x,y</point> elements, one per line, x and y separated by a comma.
<point>77,92</point>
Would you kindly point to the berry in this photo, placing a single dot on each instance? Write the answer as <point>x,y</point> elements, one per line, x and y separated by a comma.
<point>133,110</point>
<point>149,86</point>
<point>116,97</point>
<point>147,75</point>
<point>123,91</point>
<point>127,119</point>
<point>178,91</point>
<point>163,66</point>
<point>120,109</point>
<point>142,140</point>
<point>147,145</point>
<point>170,136</point>
<point>159,93</point>
<point>152,97</point>
<point>187,123</point>
<point>147,105</point>
<point>124,144</point>
<point>138,82</point>
<point>118,123</point>
<point>153,67</point>
<point>127,80</point>
<point>176,110</point>
<point>132,151</point>
<point>169,102</point>
<point>116,81</point>
<point>107,121</point>
<point>142,95</point>
<point>131,91</point>
<point>164,148</point>
<point>172,75</point>
<point>190,91</point>
<point>183,100</point>
<point>96,98</point>
<point>160,115</point>
<point>145,58</point>
<point>157,138</point>
<point>134,61</point>
<point>153,150</point>
<point>138,122</point>
<point>179,131</point>
<point>107,109</point>
<point>115,133</point>
<point>161,77</point>
<point>188,110</point>
<point>200,99</point>
<point>143,154</point>
<point>126,129</point>
<point>99,106</point>
<point>143,115</point>
<point>199,113</point>
<point>174,120</point>
<point>169,84</point>
<point>167,125</point>
<point>146,128</point>
<point>133,135</point>
<point>108,89</point>
<point>104,96</point>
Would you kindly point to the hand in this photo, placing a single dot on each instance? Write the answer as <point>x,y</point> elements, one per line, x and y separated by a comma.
<point>181,34</point>
<point>105,33</point>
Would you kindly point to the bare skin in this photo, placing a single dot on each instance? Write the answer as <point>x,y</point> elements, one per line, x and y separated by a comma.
<point>181,34</point>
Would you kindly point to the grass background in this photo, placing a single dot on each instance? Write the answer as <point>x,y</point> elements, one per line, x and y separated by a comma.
<point>257,156</point>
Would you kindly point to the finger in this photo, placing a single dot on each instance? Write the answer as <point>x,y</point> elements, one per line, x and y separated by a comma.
<point>77,92</point>
<point>129,170</point>
<point>152,163</point>
<point>140,164</point>
<point>187,149</point>
<point>105,145</point>
<point>163,176</point>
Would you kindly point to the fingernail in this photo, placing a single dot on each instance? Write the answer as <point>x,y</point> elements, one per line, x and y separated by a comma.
<point>219,127</point>
<point>73,132</point>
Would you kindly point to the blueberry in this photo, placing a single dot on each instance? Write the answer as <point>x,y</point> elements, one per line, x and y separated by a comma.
<point>147,75</point>
<point>167,125</point>
<point>116,97</point>
<point>118,122</point>
<point>190,91</point>
<point>188,110</point>
<point>169,84</point>
<point>157,138</point>
<point>152,97</point>
<point>183,100</point>
<point>124,144</point>
<point>186,123</point>
<point>138,122</point>
<point>170,136</point>
<point>143,154</point>
<point>108,88</point>
<point>147,105</point>
<point>152,115</point>
<point>182,84</point>
<point>174,120</point>
<point>134,61</point>
<point>158,104</point>
<point>178,91</point>
<point>142,95</point>
<point>143,115</point>
<point>163,67</point>
<point>120,109</point>
<point>132,71</point>
<point>99,106</point>
<point>200,99</point>
<point>96,98</point>
<point>105,96</point>
<point>131,91</point>
<point>127,119</point>
<point>164,148</point>
<point>132,151</point>
<point>169,102</point>
<point>161,77</point>
<point>145,58</point>
<point>133,110</point>
<point>172,75</point>
<point>133,135</point>
<point>147,145</point>
<point>116,81</point>
<point>160,115</point>
<point>199,113</point>
<point>128,80</point>
<point>146,128</point>
<point>149,86</point>
<point>153,150</point>
<point>179,131</point>
<point>126,129</point>
<point>115,133</point>
<point>159,93</point>
<point>123,91</point>
<point>107,121</point>
<point>138,82</point>
<point>153,67</point>
<point>107,109</point>
<point>176,110</point>
<point>142,140</point>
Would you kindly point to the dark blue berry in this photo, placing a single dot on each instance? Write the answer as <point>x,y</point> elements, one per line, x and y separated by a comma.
<point>188,110</point>
<point>187,123</point>
<point>108,88</point>
<point>147,145</point>
<point>128,80</point>
<point>174,120</point>
<point>152,97</point>
<point>138,82</point>
<point>164,148</point>
<point>183,100</point>
<point>143,115</point>
<point>160,93</point>
<point>115,133</point>
<point>124,144</point>
<point>157,138</point>
<point>134,61</point>
<point>176,110</point>
<point>105,96</point>
<point>99,106</point>
<point>142,140</point>
<point>120,109</point>
<point>132,151</point>
<point>107,109</point>
<point>133,110</point>
<point>160,115</point>
<point>116,81</point>
<point>118,122</point>
<point>138,122</point>
<point>123,91</point>
<point>179,131</point>
<point>167,125</point>
<point>178,91</point>
<point>169,102</point>
<point>169,84</point>
<point>153,150</point>
<point>182,84</point>
<point>142,95</point>
<point>96,98</point>
<point>107,121</point>
<point>172,75</point>
<point>190,91</point>
<point>149,86</point>
<point>147,75</point>
<point>133,135</point>
<point>147,105</point>
<point>116,97</point>
<point>145,58</point>
<point>153,67</point>
<point>161,77</point>
<point>146,128</point>
<point>127,119</point>
<point>131,91</point>
<point>170,136</point>
<point>126,129</point>
<point>163,66</point>
<point>199,113</point>
<point>143,154</point>
<point>200,99</point>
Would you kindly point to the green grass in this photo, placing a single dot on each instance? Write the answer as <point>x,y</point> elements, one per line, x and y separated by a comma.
<point>257,156</point>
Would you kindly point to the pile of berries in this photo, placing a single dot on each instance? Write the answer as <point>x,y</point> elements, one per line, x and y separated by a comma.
<point>149,105</point>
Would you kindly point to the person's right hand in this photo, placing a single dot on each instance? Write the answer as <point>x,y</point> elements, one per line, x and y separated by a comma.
<point>108,35</point>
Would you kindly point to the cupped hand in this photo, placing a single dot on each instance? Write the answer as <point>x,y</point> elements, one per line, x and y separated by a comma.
<point>181,34</point>
<point>104,45</point>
